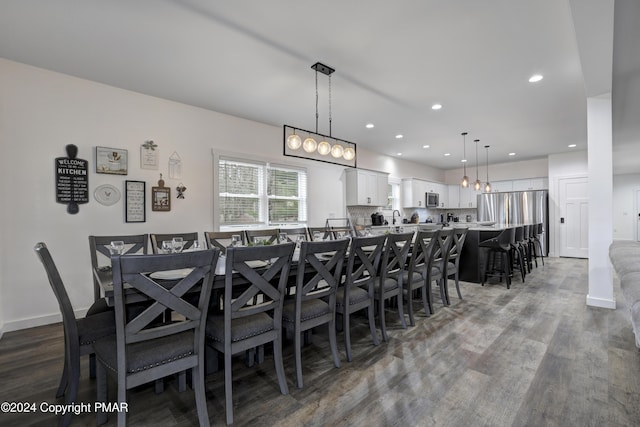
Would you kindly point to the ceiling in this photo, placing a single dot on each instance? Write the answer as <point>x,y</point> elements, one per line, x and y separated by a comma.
<point>393,61</point>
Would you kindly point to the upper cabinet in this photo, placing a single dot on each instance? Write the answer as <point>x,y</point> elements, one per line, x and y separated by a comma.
<point>462,198</point>
<point>414,193</point>
<point>366,188</point>
<point>501,186</point>
<point>530,184</point>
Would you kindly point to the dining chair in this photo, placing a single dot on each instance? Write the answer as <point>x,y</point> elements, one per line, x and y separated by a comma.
<point>319,233</point>
<point>314,304</point>
<point>453,263</point>
<point>101,256</point>
<point>142,350</point>
<point>440,261</point>
<point>358,287</point>
<point>421,271</point>
<point>222,239</point>
<point>390,284</point>
<point>268,236</point>
<point>293,233</point>
<point>187,238</point>
<point>244,325</point>
<point>79,334</point>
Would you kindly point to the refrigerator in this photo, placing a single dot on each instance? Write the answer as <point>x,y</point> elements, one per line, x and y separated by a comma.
<point>517,208</point>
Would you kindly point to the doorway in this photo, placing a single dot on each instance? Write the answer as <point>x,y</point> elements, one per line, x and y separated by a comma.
<point>574,217</point>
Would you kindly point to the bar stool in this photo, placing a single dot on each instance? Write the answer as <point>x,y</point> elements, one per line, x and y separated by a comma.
<point>518,256</point>
<point>498,249</point>
<point>535,231</point>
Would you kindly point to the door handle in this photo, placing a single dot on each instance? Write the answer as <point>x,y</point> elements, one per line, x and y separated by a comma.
<point>561,220</point>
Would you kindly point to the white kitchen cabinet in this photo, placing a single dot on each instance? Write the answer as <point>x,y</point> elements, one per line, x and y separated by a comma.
<point>462,198</point>
<point>530,184</point>
<point>366,188</point>
<point>413,193</point>
<point>501,186</point>
<point>454,197</point>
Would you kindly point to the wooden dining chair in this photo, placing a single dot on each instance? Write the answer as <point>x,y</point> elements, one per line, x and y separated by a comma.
<point>389,284</point>
<point>357,289</point>
<point>187,238</point>
<point>79,334</point>
<point>440,259</point>
<point>143,350</point>
<point>453,262</point>
<point>101,256</point>
<point>421,272</point>
<point>258,272</point>
<point>314,303</point>
<point>319,234</point>
<point>268,236</point>
<point>293,233</point>
<point>222,239</point>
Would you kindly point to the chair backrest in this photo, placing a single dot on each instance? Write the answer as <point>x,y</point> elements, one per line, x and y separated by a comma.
<point>363,262</point>
<point>424,252</point>
<point>256,282</point>
<point>321,231</point>
<point>319,270</point>
<point>341,232</point>
<point>101,256</point>
<point>187,238</point>
<point>519,230</point>
<point>150,275</point>
<point>459,236</point>
<point>221,239</point>
<point>445,240</point>
<point>395,253</point>
<point>293,233</point>
<point>425,227</point>
<point>68,317</point>
<point>269,236</point>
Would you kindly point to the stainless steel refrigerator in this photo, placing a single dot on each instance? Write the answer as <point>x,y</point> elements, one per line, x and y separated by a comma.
<point>517,208</point>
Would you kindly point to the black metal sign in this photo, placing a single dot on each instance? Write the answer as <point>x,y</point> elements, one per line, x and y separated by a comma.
<point>72,180</point>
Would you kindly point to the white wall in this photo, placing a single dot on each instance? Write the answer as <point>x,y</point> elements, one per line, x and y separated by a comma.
<point>537,168</point>
<point>625,215</point>
<point>42,111</point>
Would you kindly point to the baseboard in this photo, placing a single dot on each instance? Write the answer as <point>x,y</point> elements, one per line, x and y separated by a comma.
<point>603,303</point>
<point>33,322</point>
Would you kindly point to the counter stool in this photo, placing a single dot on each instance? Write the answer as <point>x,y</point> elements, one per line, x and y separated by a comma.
<point>498,256</point>
<point>518,255</point>
<point>534,232</point>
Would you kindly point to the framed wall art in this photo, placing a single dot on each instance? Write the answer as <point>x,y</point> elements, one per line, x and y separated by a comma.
<point>113,161</point>
<point>160,197</point>
<point>135,201</point>
<point>149,155</point>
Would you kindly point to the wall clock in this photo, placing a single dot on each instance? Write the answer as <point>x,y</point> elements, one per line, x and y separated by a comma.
<point>107,194</point>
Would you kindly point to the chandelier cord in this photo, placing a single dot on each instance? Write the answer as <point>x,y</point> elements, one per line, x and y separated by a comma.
<point>330,105</point>
<point>316,101</point>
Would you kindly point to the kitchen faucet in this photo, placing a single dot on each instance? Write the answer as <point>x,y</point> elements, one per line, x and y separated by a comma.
<point>394,216</point>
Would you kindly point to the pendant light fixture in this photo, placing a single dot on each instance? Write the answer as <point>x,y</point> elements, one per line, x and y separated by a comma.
<point>487,185</point>
<point>329,149</point>
<point>465,178</point>
<point>477,184</point>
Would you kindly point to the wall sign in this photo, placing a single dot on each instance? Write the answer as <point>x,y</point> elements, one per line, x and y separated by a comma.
<point>113,161</point>
<point>72,180</point>
<point>161,197</point>
<point>149,155</point>
<point>134,199</point>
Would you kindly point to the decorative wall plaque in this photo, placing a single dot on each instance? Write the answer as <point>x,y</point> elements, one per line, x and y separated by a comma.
<point>149,155</point>
<point>175,166</point>
<point>135,199</point>
<point>112,161</point>
<point>161,197</point>
<point>72,180</point>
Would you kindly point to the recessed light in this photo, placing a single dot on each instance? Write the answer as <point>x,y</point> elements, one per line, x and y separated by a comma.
<point>464,160</point>
<point>399,154</point>
<point>512,154</point>
<point>447,154</point>
<point>436,106</point>
<point>426,146</point>
<point>399,136</point>
<point>571,145</point>
<point>535,78</point>
<point>369,126</point>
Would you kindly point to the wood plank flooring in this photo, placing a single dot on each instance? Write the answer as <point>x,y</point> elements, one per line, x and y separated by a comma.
<point>533,355</point>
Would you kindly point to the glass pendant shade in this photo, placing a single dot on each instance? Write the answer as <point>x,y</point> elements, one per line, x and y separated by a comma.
<point>487,187</point>
<point>324,148</point>
<point>465,182</point>
<point>309,145</point>
<point>349,153</point>
<point>337,151</point>
<point>477,185</point>
<point>294,142</point>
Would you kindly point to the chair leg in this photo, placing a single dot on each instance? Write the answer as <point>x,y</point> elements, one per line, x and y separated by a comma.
<point>383,325</point>
<point>347,335</point>
<point>457,279</point>
<point>403,322</point>
<point>297,344</point>
<point>122,398</point>
<point>333,342</point>
<point>182,381</point>
<point>101,393</point>
<point>372,325</point>
<point>228,389</point>
<point>64,379</point>
<point>92,365</point>
<point>277,360</point>
<point>430,297</point>
<point>425,301</point>
<point>197,375</point>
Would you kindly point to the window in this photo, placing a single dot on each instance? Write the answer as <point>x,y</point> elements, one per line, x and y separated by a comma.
<point>261,194</point>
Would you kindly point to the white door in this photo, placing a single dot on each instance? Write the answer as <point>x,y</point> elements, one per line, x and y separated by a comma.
<point>574,218</point>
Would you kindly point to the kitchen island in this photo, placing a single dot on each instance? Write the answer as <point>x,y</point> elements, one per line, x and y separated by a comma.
<point>473,258</point>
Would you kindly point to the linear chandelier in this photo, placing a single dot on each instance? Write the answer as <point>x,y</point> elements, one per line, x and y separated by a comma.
<point>328,149</point>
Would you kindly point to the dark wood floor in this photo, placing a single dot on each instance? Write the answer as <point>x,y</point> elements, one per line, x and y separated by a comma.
<point>530,356</point>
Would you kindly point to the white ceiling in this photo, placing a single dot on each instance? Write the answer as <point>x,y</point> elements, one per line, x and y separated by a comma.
<point>393,60</point>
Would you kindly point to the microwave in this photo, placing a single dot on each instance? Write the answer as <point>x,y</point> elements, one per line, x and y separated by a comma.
<point>432,200</point>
